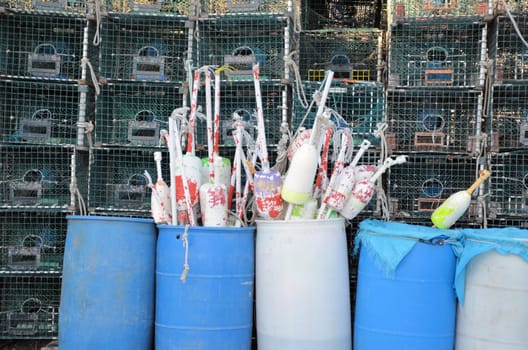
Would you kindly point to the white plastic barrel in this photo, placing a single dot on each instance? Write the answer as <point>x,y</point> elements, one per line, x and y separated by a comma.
<point>302,285</point>
<point>494,314</point>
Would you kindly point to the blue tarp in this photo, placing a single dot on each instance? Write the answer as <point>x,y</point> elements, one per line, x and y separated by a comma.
<point>390,242</point>
<point>509,240</point>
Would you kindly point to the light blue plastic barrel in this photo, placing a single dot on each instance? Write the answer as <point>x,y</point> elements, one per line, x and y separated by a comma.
<point>405,298</point>
<point>211,306</point>
<point>107,299</point>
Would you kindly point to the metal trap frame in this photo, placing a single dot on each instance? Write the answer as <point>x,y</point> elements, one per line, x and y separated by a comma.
<point>32,241</point>
<point>49,7</point>
<point>509,54</point>
<point>39,112</point>
<point>35,176</point>
<point>275,7</point>
<point>435,120</point>
<point>508,185</point>
<point>29,306</point>
<point>132,114</point>
<point>149,7</point>
<point>321,14</point>
<point>117,183</point>
<point>437,52</point>
<point>143,48</point>
<point>508,122</point>
<point>42,46</point>
<point>361,104</point>
<point>401,10</point>
<point>352,54</point>
<point>240,42</point>
<point>419,186</point>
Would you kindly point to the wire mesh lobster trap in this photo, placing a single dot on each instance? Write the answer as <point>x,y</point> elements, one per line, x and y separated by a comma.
<point>132,114</point>
<point>40,112</point>
<point>508,185</point>
<point>151,7</point>
<point>32,241</point>
<point>361,105</point>
<point>508,122</point>
<point>416,188</point>
<point>29,306</point>
<point>319,14</point>
<point>216,7</point>
<point>117,181</point>
<point>142,47</point>
<point>352,54</point>
<point>238,97</point>
<point>437,52</point>
<point>408,9</point>
<point>35,176</point>
<point>519,222</point>
<point>507,49</point>
<point>242,41</point>
<point>439,120</point>
<point>41,46</point>
<point>48,6</point>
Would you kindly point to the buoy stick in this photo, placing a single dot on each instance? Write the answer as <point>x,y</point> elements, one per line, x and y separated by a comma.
<point>267,181</point>
<point>338,167</point>
<point>192,114</point>
<point>179,159</point>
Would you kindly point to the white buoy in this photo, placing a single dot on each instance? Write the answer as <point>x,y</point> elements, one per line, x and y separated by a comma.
<point>299,180</point>
<point>161,199</point>
<point>364,172</point>
<point>456,205</point>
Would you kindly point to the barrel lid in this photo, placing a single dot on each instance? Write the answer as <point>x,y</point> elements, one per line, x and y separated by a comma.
<point>108,218</point>
<point>504,241</point>
<point>390,242</point>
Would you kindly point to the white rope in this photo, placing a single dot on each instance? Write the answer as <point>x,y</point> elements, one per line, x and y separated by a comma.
<point>88,130</point>
<point>74,189</point>
<point>97,35</point>
<point>298,86</point>
<point>86,62</point>
<point>482,201</point>
<point>281,162</point>
<point>297,27</point>
<point>186,268</point>
<point>515,26</point>
<point>380,134</point>
<point>381,196</point>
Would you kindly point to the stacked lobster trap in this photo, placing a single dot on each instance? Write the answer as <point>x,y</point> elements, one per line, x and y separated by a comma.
<point>32,246</point>
<point>142,47</point>
<point>359,104</point>
<point>507,122</point>
<point>141,69</point>
<point>436,75</point>
<point>418,187</point>
<point>351,53</point>
<point>46,105</point>
<point>318,14</point>
<point>29,306</point>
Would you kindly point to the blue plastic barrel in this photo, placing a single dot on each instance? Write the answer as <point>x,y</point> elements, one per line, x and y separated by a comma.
<point>107,299</point>
<point>413,306</point>
<point>210,306</point>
